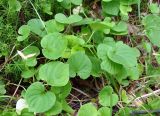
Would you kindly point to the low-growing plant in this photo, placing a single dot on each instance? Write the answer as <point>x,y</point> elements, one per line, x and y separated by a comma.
<point>68,46</point>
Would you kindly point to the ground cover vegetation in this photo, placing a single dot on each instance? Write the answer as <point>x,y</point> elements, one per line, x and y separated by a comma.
<point>79,57</point>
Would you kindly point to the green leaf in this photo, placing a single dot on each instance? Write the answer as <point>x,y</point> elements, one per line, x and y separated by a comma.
<point>124,112</point>
<point>152,27</point>
<point>31,50</point>
<point>87,110</point>
<point>66,4</point>
<point>62,92</point>
<point>158,58</point>
<point>38,99</point>
<point>55,73</point>
<point>128,2</point>
<point>133,73</point>
<point>105,111</point>
<point>2,88</point>
<point>66,107</point>
<point>125,9</point>
<point>76,2</point>
<point>154,8</point>
<point>74,41</point>
<point>103,26</point>
<point>36,26</point>
<point>96,68</point>
<point>111,8</point>
<point>106,0</point>
<point>31,62</point>
<point>124,55</point>
<point>14,5</point>
<point>24,32</point>
<point>25,112</point>
<point>61,18</point>
<point>103,49</point>
<point>79,64</point>
<point>46,7</point>
<point>9,113</point>
<point>107,97</point>
<point>147,46</point>
<point>59,0</point>
<point>109,41</point>
<point>54,45</point>
<point>55,110</point>
<point>155,103</point>
<point>120,29</point>
<point>111,67</point>
<point>53,26</point>
<point>85,21</point>
<point>28,73</point>
<point>124,97</point>
<point>74,18</point>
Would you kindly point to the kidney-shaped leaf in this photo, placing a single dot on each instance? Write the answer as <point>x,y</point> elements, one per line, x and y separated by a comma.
<point>24,31</point>
<point>55,73</point>
<point>54,45</point>
<point>80,64</point>
<point>39,100</point>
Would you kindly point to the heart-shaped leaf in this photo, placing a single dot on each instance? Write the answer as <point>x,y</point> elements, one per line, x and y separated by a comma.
<point>79,64</point>
<point>111,8</point>
<point>54,45</point>
<point>55,73</point>
<point>24,32</point>
<point>39,100</point>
